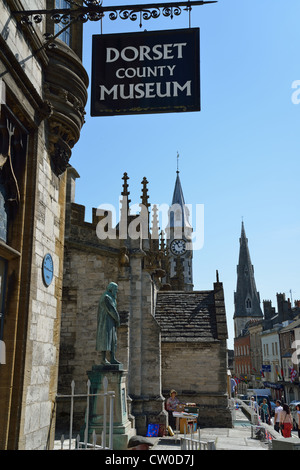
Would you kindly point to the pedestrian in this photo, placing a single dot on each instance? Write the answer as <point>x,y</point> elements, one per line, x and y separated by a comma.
<point>278,410</point>
<point>233,387</point>
<point>298,419</point>
<point>264,411</point>
<point>286,421</point>
<point>253,404</point>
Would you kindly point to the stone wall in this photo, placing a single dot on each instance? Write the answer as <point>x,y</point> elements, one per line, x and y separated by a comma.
<point>196,372</point>
<point>49,128</point>
<point>194,356</point>
<point>90,265</point>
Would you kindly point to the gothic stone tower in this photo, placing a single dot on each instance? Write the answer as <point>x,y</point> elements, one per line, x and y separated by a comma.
<point>246,297</point>
<point>179,236</point>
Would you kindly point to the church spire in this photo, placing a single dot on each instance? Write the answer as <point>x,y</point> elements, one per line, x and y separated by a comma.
<point>178,204</point>
<point>246,297</point>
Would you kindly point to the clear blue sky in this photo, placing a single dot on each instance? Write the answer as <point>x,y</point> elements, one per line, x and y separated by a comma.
<point>239,156</point>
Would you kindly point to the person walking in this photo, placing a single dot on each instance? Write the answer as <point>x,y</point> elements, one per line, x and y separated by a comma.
<point>253,404</point>
<point>278,410</point>
<point>286,421</point>
<point>264,412</point>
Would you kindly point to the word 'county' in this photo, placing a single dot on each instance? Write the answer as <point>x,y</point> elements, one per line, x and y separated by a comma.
<point>141,53</point>
<point>142,72</point>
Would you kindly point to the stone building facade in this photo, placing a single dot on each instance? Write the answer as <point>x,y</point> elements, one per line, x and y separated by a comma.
<point>90,265</point>
<point>193,348</point>
<point>145,347</point>
<point>242,358</point>
<point>43,93</point>
<point>255,329</point>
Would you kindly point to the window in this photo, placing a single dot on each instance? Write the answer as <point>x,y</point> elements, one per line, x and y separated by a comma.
<point>66,35</point>
<point>248,304</point>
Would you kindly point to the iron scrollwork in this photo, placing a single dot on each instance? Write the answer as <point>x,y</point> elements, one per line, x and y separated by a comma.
<point>171,11</point>
<point>93,10</point>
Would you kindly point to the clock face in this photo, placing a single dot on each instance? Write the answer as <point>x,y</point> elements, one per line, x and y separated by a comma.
<point>178,247</point>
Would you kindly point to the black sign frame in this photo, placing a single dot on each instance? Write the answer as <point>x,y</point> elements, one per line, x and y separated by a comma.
<point>145,73</point>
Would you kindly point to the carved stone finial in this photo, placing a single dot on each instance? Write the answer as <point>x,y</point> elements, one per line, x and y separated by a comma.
<point>125,191</point>
<point>145,196</point>
<point>124,204</point>
<point>155,226</point>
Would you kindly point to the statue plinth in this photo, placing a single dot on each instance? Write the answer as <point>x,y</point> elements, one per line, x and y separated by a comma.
<point>122,427</point>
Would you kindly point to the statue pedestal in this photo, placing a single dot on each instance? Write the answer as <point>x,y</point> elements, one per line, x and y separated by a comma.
<point>122,428</point>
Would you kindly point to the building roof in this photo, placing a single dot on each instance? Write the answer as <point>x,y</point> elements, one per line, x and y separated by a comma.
<point>186,316</point>
<point>291,326</point>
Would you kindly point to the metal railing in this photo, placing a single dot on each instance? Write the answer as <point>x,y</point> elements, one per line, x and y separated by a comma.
<point>77,443</point>
<point>250,408</point>
<point>193,442</point>
<point>259,427</point>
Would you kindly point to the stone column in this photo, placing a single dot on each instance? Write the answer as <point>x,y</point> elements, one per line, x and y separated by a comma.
<point>122,429</point>
<point>144,382</point>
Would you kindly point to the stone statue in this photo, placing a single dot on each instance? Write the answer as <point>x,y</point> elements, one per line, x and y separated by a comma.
<point>108,320</point>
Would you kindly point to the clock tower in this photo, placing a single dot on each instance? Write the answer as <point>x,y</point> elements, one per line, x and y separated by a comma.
<point>179,237</point>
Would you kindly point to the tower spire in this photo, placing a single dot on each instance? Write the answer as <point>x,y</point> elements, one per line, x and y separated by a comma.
<point>179,235</point>
<point>246,297</point>
<point>178,202</point>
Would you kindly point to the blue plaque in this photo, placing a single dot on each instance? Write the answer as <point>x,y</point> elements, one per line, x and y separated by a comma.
<point>47,269</point>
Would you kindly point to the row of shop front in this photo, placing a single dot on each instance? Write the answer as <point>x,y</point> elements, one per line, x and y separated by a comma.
<point>285,391</point>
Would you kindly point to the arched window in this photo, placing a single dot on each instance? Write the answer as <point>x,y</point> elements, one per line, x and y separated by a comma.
<point>248,304</point>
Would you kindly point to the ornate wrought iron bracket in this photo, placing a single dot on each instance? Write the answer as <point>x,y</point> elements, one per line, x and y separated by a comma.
<point>92,10</point>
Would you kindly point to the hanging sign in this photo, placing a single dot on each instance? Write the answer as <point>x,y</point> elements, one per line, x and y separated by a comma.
<point>149,72</point>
